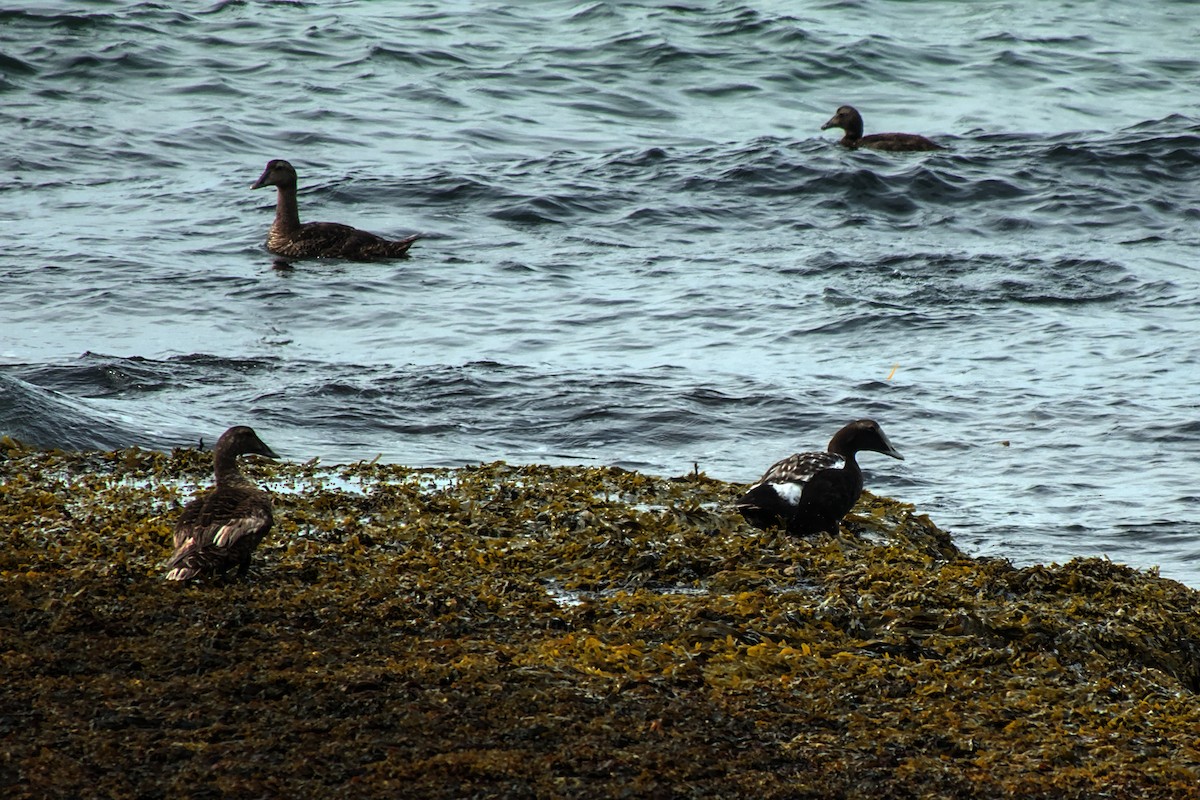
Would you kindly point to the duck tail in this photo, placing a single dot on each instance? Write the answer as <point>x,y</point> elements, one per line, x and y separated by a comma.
<point>400,246</point>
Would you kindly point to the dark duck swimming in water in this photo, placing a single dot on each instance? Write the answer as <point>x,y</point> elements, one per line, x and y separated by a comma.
<point>849,120</point>
<point>811,492</point>
<point>289,238</point>
<point>221,528</point>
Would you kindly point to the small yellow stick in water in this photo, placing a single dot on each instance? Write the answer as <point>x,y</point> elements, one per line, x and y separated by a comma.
<point>895,367</point>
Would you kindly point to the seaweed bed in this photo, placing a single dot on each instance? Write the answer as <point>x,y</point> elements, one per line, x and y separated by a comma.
<point>532,631</point>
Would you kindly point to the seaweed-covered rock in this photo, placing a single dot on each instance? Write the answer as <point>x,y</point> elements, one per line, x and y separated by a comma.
<point>533,631</point>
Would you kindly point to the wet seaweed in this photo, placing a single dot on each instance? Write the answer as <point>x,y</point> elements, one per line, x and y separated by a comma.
<point>532,631</point>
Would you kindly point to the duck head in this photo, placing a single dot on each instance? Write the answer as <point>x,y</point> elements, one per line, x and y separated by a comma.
<point>277,173</point>
<point>241,440</point>
<point>863,434</point>
<point>848,119</point>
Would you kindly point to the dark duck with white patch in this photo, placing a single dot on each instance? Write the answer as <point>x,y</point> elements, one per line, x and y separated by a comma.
<point>850,121</point>
<point>811,492</point>
<point>289,238</point>
<point>221,528</point>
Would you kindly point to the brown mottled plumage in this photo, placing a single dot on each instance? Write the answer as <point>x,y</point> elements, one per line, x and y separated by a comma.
<point>849,120</point>
<point>221,528</point>
<point>811,492</point>
<point>288,237</point>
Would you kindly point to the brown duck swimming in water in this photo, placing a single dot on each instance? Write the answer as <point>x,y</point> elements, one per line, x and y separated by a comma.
<point>288,237</point>
<point>811,492</point>
<point>849,120</point>
<point>221,528</point>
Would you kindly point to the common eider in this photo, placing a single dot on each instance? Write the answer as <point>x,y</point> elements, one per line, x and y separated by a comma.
<point>849,120</point>
<point>811,492</point>
<point>221,528</point>
<point>289,238</point>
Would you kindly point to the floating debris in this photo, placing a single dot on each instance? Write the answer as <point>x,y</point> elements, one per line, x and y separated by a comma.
<point>523,631</point>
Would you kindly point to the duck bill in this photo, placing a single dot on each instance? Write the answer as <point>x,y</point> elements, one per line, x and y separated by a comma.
<point>264,451</point>
<point>833,123</point>
<point>262,180</point>
<point>890,451</point>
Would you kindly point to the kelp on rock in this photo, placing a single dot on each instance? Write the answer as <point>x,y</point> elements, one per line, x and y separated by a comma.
<point>534,631</point>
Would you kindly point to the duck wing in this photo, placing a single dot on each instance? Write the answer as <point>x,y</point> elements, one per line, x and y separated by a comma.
<point>898,142</point>
<point>826,497</point>
<point>334,240</point>
<point>800,468</point>
<point>783,489</point>
<point>219,530</point>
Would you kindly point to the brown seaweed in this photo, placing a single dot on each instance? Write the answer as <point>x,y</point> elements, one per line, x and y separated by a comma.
<point>534,631</point>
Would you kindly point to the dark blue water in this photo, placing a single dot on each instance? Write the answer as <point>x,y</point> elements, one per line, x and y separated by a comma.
<point>639,247</point>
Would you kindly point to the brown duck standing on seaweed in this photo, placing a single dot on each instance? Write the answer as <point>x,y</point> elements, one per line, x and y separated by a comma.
<point>811,492</point>
<point>849,120</point>
<point>289,238</point>
<point>221,528</point>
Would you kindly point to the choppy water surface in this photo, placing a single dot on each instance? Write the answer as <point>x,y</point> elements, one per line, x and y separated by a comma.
<point>640,248</point>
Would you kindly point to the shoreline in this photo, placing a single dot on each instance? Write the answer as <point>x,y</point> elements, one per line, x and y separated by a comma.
<point>527,631</point>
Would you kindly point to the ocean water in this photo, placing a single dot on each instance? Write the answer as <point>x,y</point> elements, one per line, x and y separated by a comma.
<point>639,247</point>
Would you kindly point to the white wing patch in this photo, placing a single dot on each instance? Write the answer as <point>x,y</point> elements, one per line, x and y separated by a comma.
<point>789,492</point>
